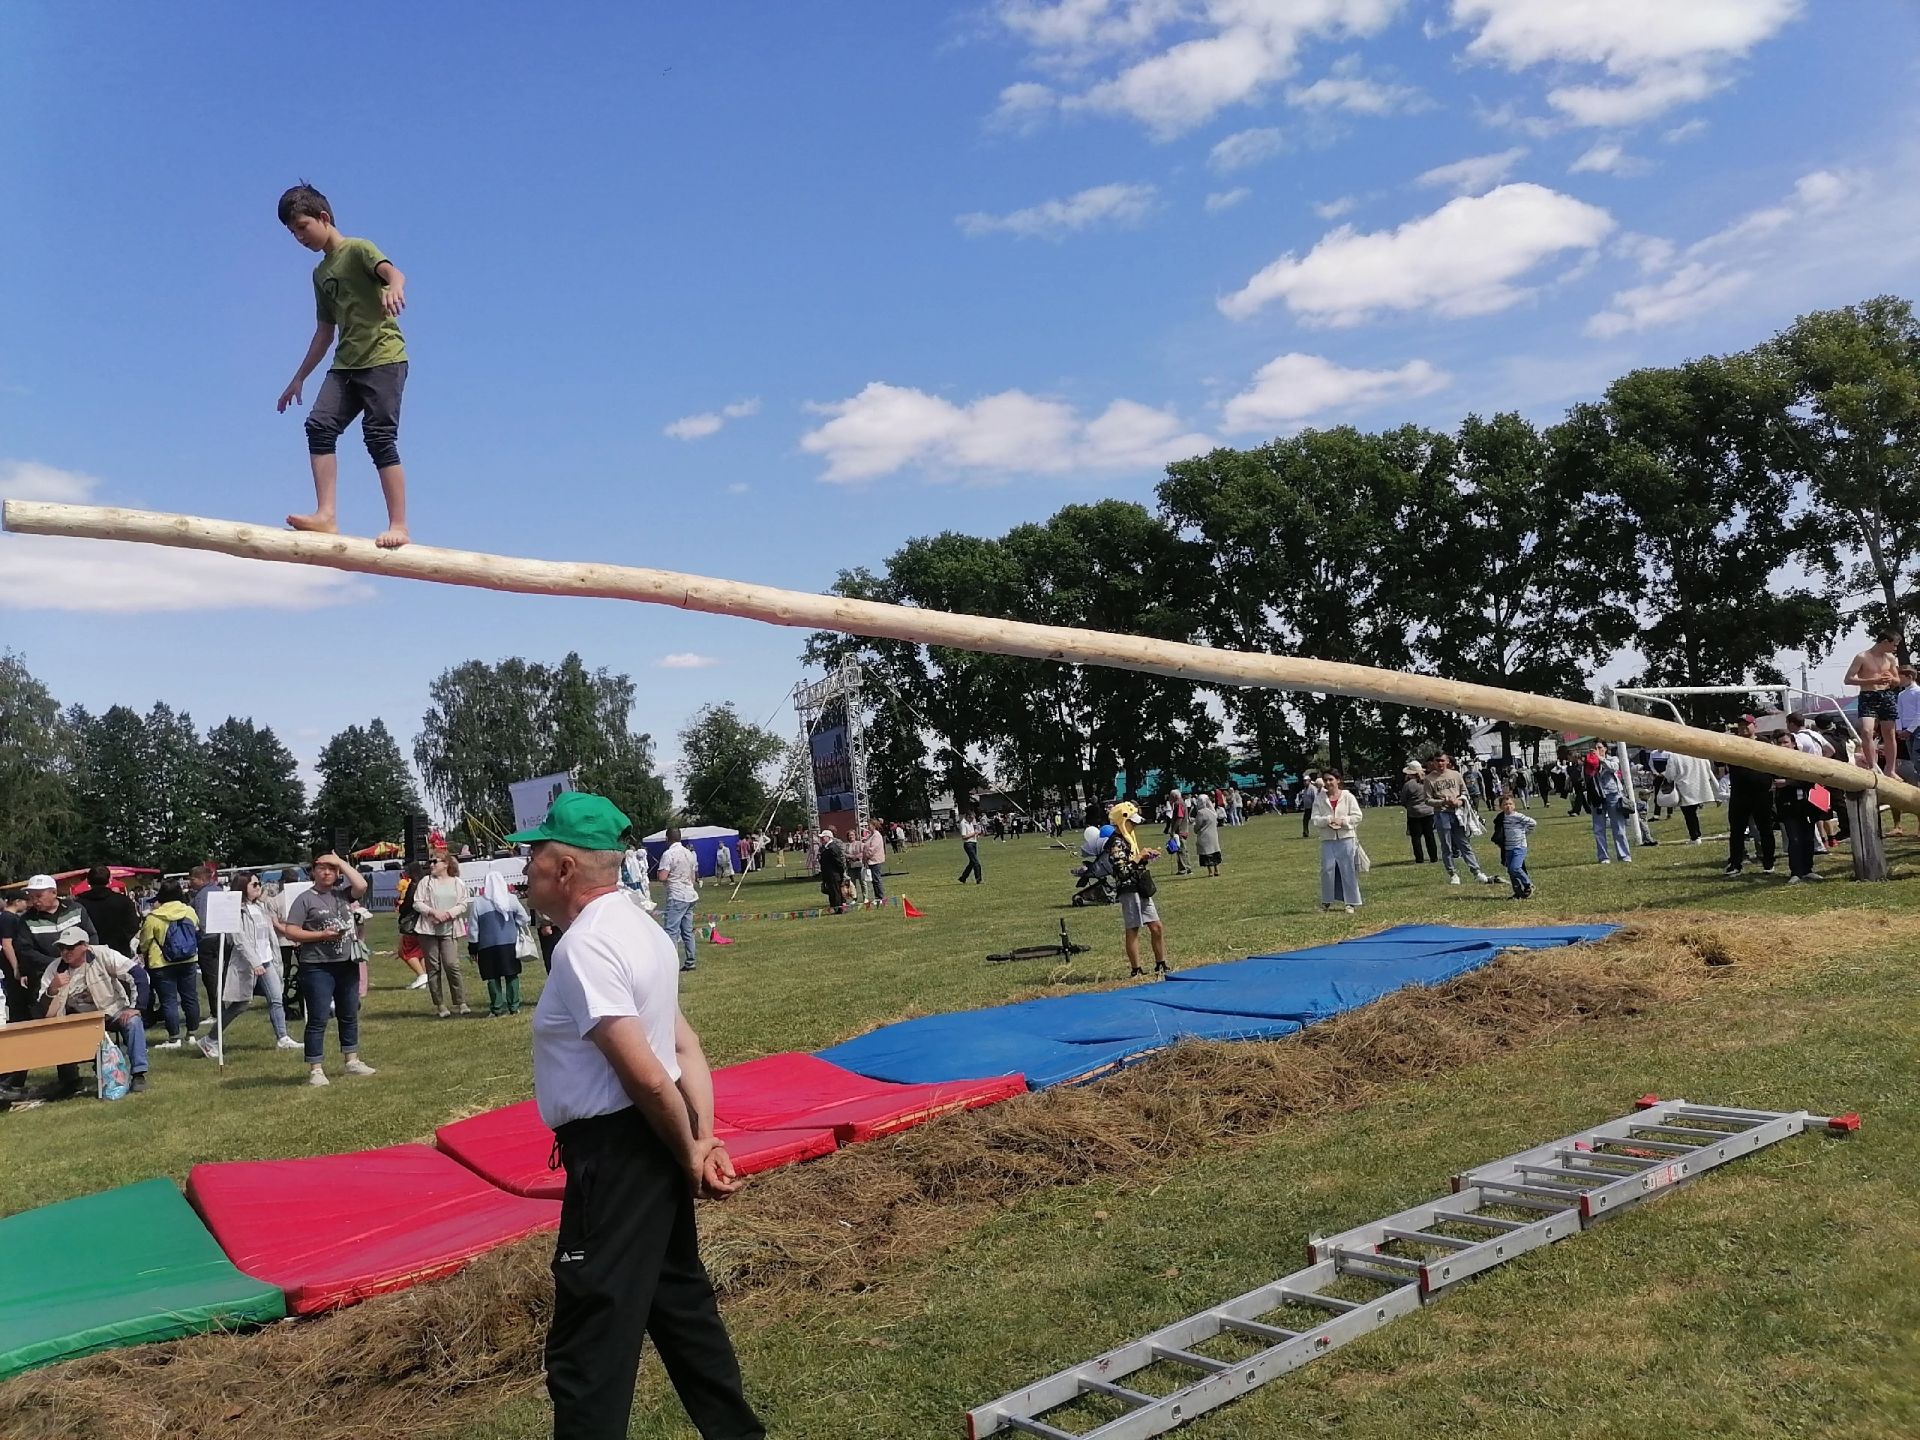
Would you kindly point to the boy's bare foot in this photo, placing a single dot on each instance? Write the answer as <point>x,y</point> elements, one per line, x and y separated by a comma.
<point>316,523</point>
<point>392,538</point>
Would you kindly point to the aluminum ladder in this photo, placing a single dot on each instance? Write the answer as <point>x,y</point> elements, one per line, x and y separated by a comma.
<point>1543,1195</point>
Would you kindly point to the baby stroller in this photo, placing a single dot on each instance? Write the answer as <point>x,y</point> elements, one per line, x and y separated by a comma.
<point>1093,889</point>
<point>1094,878</point>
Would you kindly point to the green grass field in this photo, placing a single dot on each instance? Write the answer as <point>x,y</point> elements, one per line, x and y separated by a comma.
<point>1777,1298</point>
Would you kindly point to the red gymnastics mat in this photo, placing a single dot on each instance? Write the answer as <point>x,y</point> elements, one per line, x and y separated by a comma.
<point>784,1091</point>
<point>509,1147</point>
<point>335,1229</point>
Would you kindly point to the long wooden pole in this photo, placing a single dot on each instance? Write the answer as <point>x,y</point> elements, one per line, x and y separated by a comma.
<point>808,611</point>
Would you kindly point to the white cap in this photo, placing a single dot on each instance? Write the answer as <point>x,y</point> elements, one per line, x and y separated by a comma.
<point>42,882</point>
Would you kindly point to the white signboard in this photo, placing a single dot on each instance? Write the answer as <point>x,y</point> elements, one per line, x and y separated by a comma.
<point>223,912</point>
<point>533,798</point>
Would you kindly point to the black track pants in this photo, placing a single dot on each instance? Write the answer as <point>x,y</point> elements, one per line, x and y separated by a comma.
<point>627,1264</point>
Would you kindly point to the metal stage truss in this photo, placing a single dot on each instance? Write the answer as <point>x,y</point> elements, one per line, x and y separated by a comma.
<point>833,744</point>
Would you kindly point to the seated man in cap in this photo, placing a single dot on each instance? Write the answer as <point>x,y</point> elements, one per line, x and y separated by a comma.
<point>35,943</point>
<point>91,978</point>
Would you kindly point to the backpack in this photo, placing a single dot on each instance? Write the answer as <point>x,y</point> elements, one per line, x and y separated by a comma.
<point>407,912</point>
<point>181,942</point>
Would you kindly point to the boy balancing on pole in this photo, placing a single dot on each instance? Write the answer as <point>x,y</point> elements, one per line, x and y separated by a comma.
<point>357,293</point>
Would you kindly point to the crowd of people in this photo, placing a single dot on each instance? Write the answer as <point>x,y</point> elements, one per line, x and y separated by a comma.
<point>146,964</point>
<point>299,943</point>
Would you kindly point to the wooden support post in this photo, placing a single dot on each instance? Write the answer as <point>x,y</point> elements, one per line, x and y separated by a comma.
<point>1863,835</point>
<point>986,634</point>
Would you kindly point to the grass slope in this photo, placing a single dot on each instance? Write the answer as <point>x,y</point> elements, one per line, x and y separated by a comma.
<point>1776,1298</point>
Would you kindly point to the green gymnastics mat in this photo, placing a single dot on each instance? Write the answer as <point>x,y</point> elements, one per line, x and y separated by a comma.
<point>118,1268</point>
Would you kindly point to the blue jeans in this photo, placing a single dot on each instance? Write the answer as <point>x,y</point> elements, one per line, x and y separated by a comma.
<point>132,1031</point>
<point>1515,864</point>
<point>1455,844</point>
<point>973,863</point>
<point>335,986</point>
<point>679,927</point>
<point>179,989</point>
<point>267,984</point>
<point>1610,818</point>
<point>873,878</point>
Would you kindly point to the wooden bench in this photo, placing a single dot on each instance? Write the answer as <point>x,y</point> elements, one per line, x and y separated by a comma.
<point>63,1040</point>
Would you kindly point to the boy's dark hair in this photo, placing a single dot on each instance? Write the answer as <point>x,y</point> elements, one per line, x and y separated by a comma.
<point>303,199</point>
<point>99,877</point>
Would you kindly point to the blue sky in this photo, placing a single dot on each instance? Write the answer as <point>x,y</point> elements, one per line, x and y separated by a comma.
<point>762,291</point>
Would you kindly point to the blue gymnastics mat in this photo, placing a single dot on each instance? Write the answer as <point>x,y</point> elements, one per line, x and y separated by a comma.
<point>1308,990</point>
<point>1068,1039</point>
<point>973,1045</point>
<point>1530,937</point>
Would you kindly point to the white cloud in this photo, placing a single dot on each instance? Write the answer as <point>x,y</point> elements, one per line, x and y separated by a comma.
<point>1345,88</point>
<point>886,428</point>
<point>1691,130</point>
<point>1226,199</point>
<point>55,572</point>
<point>1051,219</point>
<point>1711,271</point>
<point>1474,175</point>
<point>1334,209</point>
<point>1181,62</point>
<point>30,480</point>
<point>1615,106</point>
<point>685,660</point>
<point>58,572</point>
<point>1466,258</point>
<point>1291,389</point>
<point>708,422</point>
<point>738,487</point>
<point>1075,31</point>
<point>1022,107</point>
<point>1245,148</point>
<point>1654,54</point>
<point>1691,290</point>
<point>1824,189</point>
<point>1607,157</point>
<point>1648,252</point>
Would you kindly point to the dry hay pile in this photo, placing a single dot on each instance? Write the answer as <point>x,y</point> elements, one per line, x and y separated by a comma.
<point>421,1362</point>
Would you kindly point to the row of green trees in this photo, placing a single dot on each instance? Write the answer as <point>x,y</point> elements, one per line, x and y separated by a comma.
<point>1709,515</point>
<point>154,789</point>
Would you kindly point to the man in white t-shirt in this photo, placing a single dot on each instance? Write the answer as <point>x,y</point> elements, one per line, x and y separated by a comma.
<point>1808,742</point>
<point>680,869</point>
<point>621,1077</point>
<point>970,829</point>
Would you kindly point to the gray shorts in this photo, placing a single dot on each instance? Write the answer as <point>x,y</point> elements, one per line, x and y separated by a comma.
<point>1135,912</point>
<point>373,394</point>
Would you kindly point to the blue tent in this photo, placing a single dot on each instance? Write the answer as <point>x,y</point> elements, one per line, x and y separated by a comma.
<point>705,842</point>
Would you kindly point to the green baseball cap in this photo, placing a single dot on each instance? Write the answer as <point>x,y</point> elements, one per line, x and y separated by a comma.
<point>587,822</point>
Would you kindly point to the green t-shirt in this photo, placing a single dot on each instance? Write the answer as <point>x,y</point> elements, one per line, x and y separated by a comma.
<point>346,295</point>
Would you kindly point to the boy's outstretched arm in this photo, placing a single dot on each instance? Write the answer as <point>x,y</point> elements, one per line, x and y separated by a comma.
<point>394,298</point>
<point>316,352</point>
